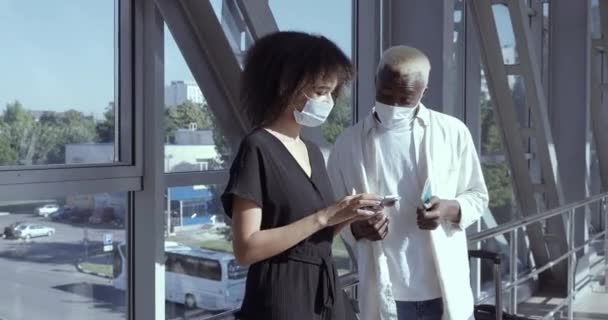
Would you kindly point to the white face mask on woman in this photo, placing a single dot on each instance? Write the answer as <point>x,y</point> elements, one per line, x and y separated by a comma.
<point>315,111</point>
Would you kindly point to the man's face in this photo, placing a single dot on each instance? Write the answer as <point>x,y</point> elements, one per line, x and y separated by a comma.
<point>397,89</point>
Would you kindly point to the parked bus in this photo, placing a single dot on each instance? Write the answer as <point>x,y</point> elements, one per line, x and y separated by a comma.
<point>195,277</point>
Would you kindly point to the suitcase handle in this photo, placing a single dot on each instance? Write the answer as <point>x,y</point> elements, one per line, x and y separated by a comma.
<point>495,257</point>
<point>483,254</point>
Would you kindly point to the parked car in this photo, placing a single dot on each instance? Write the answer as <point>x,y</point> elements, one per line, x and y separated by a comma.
<point>47,209</point>
<point>30,230</point>
<point>9,231</point>
<point>102,215</point>
<point>62,214</point>
<point>80,216</point>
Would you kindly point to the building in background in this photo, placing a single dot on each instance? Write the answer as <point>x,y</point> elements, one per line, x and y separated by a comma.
<point>194,151</point>
<point>179,92</point>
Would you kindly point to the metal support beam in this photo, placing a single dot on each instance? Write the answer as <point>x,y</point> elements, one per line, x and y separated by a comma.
<point>537,100</point>
<point>599,98</point>
<point>543,140</point>
<point>367,44</point>
<point>569,63</point>
<point>146,277</point>
<point>195,27</point>
<point>235,29</point>
<point>473,80</point>
<point>258,16</point>
<point>507,116</point>
<point>408,17</point>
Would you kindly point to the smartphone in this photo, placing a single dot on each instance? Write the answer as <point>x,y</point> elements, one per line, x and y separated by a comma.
<point>387,201</point>
<point>427,192</point>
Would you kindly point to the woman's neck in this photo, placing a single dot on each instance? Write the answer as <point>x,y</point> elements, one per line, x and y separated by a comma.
<point>286,126</point>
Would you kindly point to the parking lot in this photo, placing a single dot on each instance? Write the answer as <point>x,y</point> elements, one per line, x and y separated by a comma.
<point>39,278</point>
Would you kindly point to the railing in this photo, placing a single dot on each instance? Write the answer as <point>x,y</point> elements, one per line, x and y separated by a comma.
<point>513,227</point>
<point>350,280</point>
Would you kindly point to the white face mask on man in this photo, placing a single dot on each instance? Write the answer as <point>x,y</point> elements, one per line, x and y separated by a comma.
<point>315,111</point>
<point>388,114</point>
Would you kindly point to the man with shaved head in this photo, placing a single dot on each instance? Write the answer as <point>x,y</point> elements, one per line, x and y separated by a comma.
<point>412,259</point>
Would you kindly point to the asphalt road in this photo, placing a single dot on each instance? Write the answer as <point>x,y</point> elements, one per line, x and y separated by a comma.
<point>39,280</point>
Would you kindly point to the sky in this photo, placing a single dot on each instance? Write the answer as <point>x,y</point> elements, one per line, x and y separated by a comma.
<point>59,55</point>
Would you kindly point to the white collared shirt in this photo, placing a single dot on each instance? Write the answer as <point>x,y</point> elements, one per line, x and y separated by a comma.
<point>454,172</point>
<point>408,249</point>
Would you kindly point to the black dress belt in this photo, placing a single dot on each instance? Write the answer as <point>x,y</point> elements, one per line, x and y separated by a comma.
<point>328,275</point>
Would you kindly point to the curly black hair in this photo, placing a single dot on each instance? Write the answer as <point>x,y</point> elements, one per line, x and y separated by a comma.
<point>279,65</point>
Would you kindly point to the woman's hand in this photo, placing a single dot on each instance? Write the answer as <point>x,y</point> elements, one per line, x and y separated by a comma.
<point>352,208</point>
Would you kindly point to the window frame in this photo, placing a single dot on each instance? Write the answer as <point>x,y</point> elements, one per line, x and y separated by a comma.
<point>128,129</point>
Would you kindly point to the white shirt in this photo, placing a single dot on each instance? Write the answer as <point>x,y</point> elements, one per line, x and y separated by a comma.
<point>454,172</point>
<point>408,249</point>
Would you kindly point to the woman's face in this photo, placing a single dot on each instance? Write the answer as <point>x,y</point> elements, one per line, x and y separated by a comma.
<point>321,89</point>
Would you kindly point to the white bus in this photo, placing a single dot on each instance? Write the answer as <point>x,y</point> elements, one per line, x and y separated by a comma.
<point>197,278</point>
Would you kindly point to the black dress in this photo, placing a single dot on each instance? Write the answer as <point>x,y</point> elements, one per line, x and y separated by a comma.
<point>299,283</point>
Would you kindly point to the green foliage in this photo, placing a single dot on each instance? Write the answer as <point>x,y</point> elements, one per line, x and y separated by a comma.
<point>59,130</point>
<point>105,129</point>
<point>8,156</point>
<point>19,128</point>
<point>181,116</point>
<point>341,117</point>
<point>496,175</point>
<point>25,141</point>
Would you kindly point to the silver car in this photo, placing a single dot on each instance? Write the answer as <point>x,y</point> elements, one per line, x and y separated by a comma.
<point>30,230</point>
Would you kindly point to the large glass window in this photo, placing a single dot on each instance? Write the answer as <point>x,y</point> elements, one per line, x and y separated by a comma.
<point>64,258</point>
<point>493,154</point>
<point>495,166</point>
<point>58,102</point>
<point>201,273</point>
<point>192,141</point>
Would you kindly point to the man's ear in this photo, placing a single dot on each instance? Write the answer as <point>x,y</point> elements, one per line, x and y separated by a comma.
<point>423,93</point>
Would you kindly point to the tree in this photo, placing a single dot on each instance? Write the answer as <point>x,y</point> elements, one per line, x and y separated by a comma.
<point>19,127</point>
<point>181,116</point>
<point>497,175</point>
<point>341,117</point>
<point>56,130</point>
<point>7,154</point>
<point>222,147</point>
<point>105,128</point>
<point>27,141</point>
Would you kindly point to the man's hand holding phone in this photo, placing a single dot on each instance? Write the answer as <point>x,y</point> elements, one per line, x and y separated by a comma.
<point>433,210</point>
